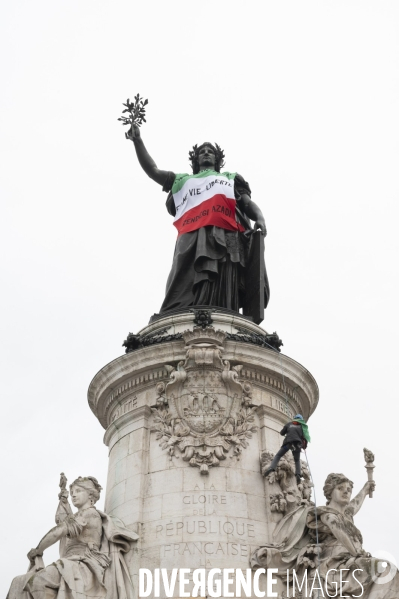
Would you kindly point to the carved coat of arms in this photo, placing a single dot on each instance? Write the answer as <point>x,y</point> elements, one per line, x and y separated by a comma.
<point>204,410</point>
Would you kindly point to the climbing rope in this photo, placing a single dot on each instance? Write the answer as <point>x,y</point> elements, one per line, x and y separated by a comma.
<point>316,521</point>
<point>310,472</point>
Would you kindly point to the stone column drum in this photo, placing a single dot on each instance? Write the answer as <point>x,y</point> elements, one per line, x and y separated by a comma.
<point>190,417</point>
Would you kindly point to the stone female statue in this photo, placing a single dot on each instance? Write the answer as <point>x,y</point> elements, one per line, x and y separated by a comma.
<point>91,561</point>
<point>330,543</point>
<point>211,211</point>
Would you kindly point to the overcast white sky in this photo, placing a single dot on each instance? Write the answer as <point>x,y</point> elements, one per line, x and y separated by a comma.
<point>304,98</point>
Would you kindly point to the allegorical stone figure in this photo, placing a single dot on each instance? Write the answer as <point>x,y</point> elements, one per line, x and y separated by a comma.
<point>326,539</point>
<point>211,211</point>
<point>92,548</point>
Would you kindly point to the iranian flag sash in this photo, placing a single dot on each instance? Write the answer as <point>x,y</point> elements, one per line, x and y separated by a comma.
<point>205,199</point>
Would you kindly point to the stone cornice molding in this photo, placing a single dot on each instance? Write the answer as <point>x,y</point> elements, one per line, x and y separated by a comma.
<point>179,322</point>
<point>136,365</point>
<point>134,373</point>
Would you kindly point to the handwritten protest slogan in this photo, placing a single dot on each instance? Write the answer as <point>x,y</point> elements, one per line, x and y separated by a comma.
<point>206,201</point>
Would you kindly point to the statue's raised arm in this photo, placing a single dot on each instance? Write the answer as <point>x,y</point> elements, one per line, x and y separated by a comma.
<point>146,162</point>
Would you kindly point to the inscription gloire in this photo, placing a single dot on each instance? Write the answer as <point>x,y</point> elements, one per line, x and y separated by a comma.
<point>211,499</point>
<point>204,504</point>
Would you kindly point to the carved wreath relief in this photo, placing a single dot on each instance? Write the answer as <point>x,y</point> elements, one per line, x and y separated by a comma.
<point>204,410</point>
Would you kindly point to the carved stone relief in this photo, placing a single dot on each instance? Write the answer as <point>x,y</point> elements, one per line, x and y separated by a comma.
<point>288,495</point>
<point>204,411</point>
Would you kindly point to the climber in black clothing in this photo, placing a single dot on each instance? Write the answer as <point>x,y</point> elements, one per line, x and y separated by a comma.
<point>296,437</point>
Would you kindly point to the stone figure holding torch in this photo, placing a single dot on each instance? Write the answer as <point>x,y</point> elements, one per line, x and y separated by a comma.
<point>369,457</point>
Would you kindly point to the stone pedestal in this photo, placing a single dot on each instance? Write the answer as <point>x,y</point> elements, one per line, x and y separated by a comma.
<point>190,416</point>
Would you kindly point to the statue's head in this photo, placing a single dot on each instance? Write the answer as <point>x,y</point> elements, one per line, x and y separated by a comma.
<point>208,155</point>
<point>338,488</point>
<point>90,485</point>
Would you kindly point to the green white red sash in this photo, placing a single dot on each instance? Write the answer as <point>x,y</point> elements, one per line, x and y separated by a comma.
<point>205,199</point>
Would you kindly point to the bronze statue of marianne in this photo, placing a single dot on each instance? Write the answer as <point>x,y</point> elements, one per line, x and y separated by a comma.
<point>219,257</point>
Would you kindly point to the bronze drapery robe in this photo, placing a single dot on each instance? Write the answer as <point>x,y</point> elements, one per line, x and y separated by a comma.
<point>209,264</point>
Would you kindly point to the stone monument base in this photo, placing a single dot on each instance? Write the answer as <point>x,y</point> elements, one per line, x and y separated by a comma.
<point>190,413</point>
